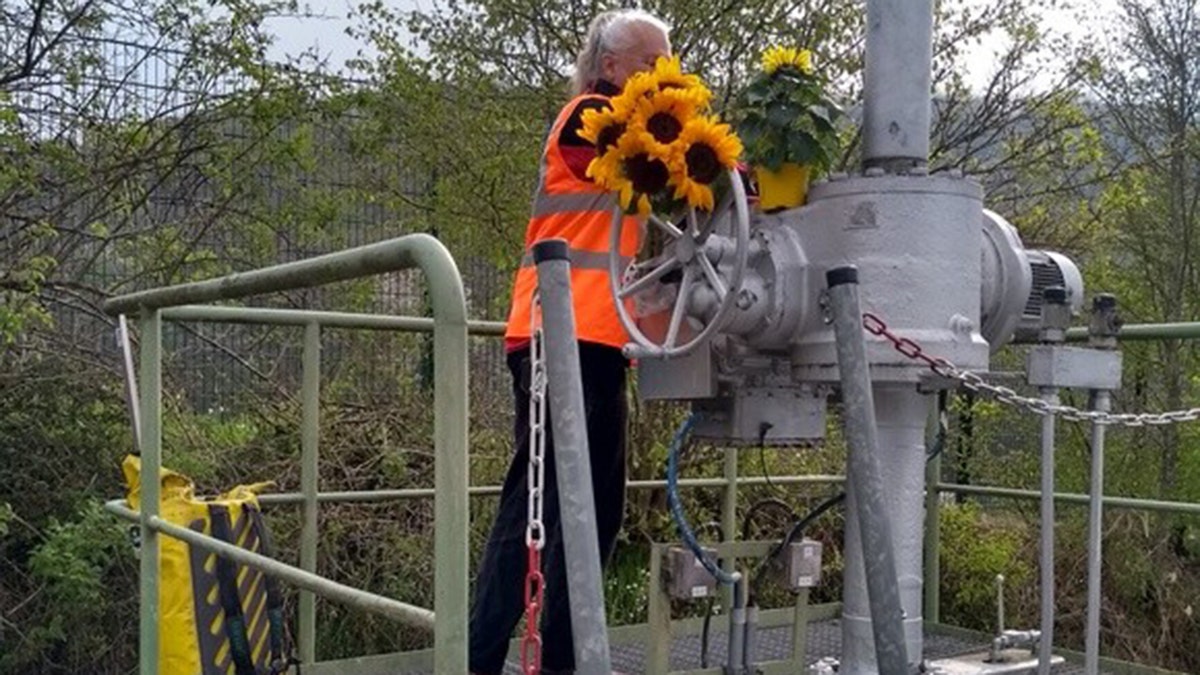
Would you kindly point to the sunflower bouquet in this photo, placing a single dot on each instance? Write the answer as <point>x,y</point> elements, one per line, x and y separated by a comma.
<point>658,145</point>
<point>786,119</point>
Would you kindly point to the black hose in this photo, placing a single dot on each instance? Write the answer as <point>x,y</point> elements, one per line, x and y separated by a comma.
<point>761,505</point>
<point>800,526</point>
<point>939,443</point>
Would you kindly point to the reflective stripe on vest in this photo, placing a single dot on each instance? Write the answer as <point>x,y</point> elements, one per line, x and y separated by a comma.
<point>567,207</point>
<point>583,260</point>
<point>571,202</point>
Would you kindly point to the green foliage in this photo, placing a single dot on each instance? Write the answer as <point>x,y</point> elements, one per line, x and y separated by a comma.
<point>74,559</point>
<point>626,584</point>
<point>84,571</point>
<point>975,548</point>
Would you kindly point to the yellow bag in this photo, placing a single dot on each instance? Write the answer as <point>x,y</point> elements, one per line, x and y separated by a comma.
<point>205,600</point>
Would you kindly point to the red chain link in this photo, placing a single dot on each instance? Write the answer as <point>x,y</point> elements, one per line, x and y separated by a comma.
<point>875,326</point>
<point>535,586</point>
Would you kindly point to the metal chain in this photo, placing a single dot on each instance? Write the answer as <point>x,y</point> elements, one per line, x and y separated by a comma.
<point>876,326</point>
<point>535,530</point>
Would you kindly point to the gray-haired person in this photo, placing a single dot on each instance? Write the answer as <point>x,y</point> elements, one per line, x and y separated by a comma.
<point>619,43</point>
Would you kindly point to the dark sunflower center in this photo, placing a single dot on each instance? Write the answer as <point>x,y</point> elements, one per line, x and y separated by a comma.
<point>664,127</point>
<point>609,136</point>
<point>702,163</point>
<point>647,174</point>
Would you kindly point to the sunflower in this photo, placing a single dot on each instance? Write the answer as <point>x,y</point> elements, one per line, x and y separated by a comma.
<point>605,169</point>
<point>664,114</point>
<point>787,57</point>
<point>601,127</point>
<point>638,87</point>
<point>706,149</point>
<point>645,170</point>
<point>670,75</point>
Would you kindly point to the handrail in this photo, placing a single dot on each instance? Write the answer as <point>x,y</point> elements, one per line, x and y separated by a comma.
<point>1146,331</point>
<point>369,602</point>
<point>303,317</point>
<point>282,498</point>
<point>451,418</point>
<point>1128,503</point>
<point>393,255</point>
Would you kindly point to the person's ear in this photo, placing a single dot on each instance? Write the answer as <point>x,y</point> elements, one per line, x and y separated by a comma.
<point>608,66</point>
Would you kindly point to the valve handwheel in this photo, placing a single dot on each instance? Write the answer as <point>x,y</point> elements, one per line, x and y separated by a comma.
<point>700,257</point>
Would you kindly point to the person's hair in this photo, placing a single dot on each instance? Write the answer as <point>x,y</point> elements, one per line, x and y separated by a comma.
<point>609,32</point>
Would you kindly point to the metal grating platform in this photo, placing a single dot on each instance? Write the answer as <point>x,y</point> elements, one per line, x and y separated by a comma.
<point>824,639</point>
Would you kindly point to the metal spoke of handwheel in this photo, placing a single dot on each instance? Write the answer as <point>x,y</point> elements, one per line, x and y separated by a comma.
<point>645,282</point>
<point>711,221</point>
<point>666,227</point>
<point>693,224</point>
<point>680,305</point>
<point>714,279</point>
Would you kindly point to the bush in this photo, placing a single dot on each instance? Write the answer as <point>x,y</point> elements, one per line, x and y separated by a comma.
<point>975,547</point>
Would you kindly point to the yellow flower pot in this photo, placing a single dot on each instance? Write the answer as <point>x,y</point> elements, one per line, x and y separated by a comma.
<point>783,189</point>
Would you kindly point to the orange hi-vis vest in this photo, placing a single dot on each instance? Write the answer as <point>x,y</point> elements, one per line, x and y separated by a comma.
<point>579,211</point>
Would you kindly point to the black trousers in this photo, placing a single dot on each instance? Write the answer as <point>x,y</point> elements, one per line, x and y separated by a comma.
<point>500,587</point>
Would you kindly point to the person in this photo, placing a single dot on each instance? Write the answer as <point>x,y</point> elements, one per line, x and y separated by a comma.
<point>568,205</point>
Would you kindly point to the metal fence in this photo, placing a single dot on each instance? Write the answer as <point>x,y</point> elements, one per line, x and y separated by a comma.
<point>121,83</point>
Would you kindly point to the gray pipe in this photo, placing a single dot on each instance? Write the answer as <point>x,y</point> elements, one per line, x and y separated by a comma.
<point>577,506</point>
<point>897,83</point>
<point>1102,401</point>
<point>1046,554</point>
<point>867,509</point>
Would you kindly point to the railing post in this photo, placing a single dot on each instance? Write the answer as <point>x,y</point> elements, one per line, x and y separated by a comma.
<point>800,630</point>
<point>451,419</point>
<point>309,439</point>
<point>729,519</point>
<point>933,543</point>
<point>658,616</point>
<point>933,523</point>
<point>149,493</point>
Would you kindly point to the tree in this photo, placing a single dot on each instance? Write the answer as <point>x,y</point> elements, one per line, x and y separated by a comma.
<point>1147,81</point>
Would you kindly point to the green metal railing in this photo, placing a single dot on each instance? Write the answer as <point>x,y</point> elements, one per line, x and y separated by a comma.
<point>449,326</point>
<point>450,493</point>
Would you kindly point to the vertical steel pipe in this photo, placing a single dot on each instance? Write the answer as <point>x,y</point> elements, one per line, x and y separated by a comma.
<point>870,553</point>
<point>577,504</point>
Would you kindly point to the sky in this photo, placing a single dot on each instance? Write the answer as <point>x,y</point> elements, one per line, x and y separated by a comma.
<point>327,35</point>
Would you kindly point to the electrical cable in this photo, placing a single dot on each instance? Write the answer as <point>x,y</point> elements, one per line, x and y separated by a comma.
<point>939,444</point>
<point>712,599</point>
<point>685,530</point>
<point>708,611</point>
<point>797,528</point>
<point>763,429</point>
<point>761,505</point>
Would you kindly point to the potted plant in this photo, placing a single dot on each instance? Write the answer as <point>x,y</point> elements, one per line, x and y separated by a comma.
<point>787,125</point>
